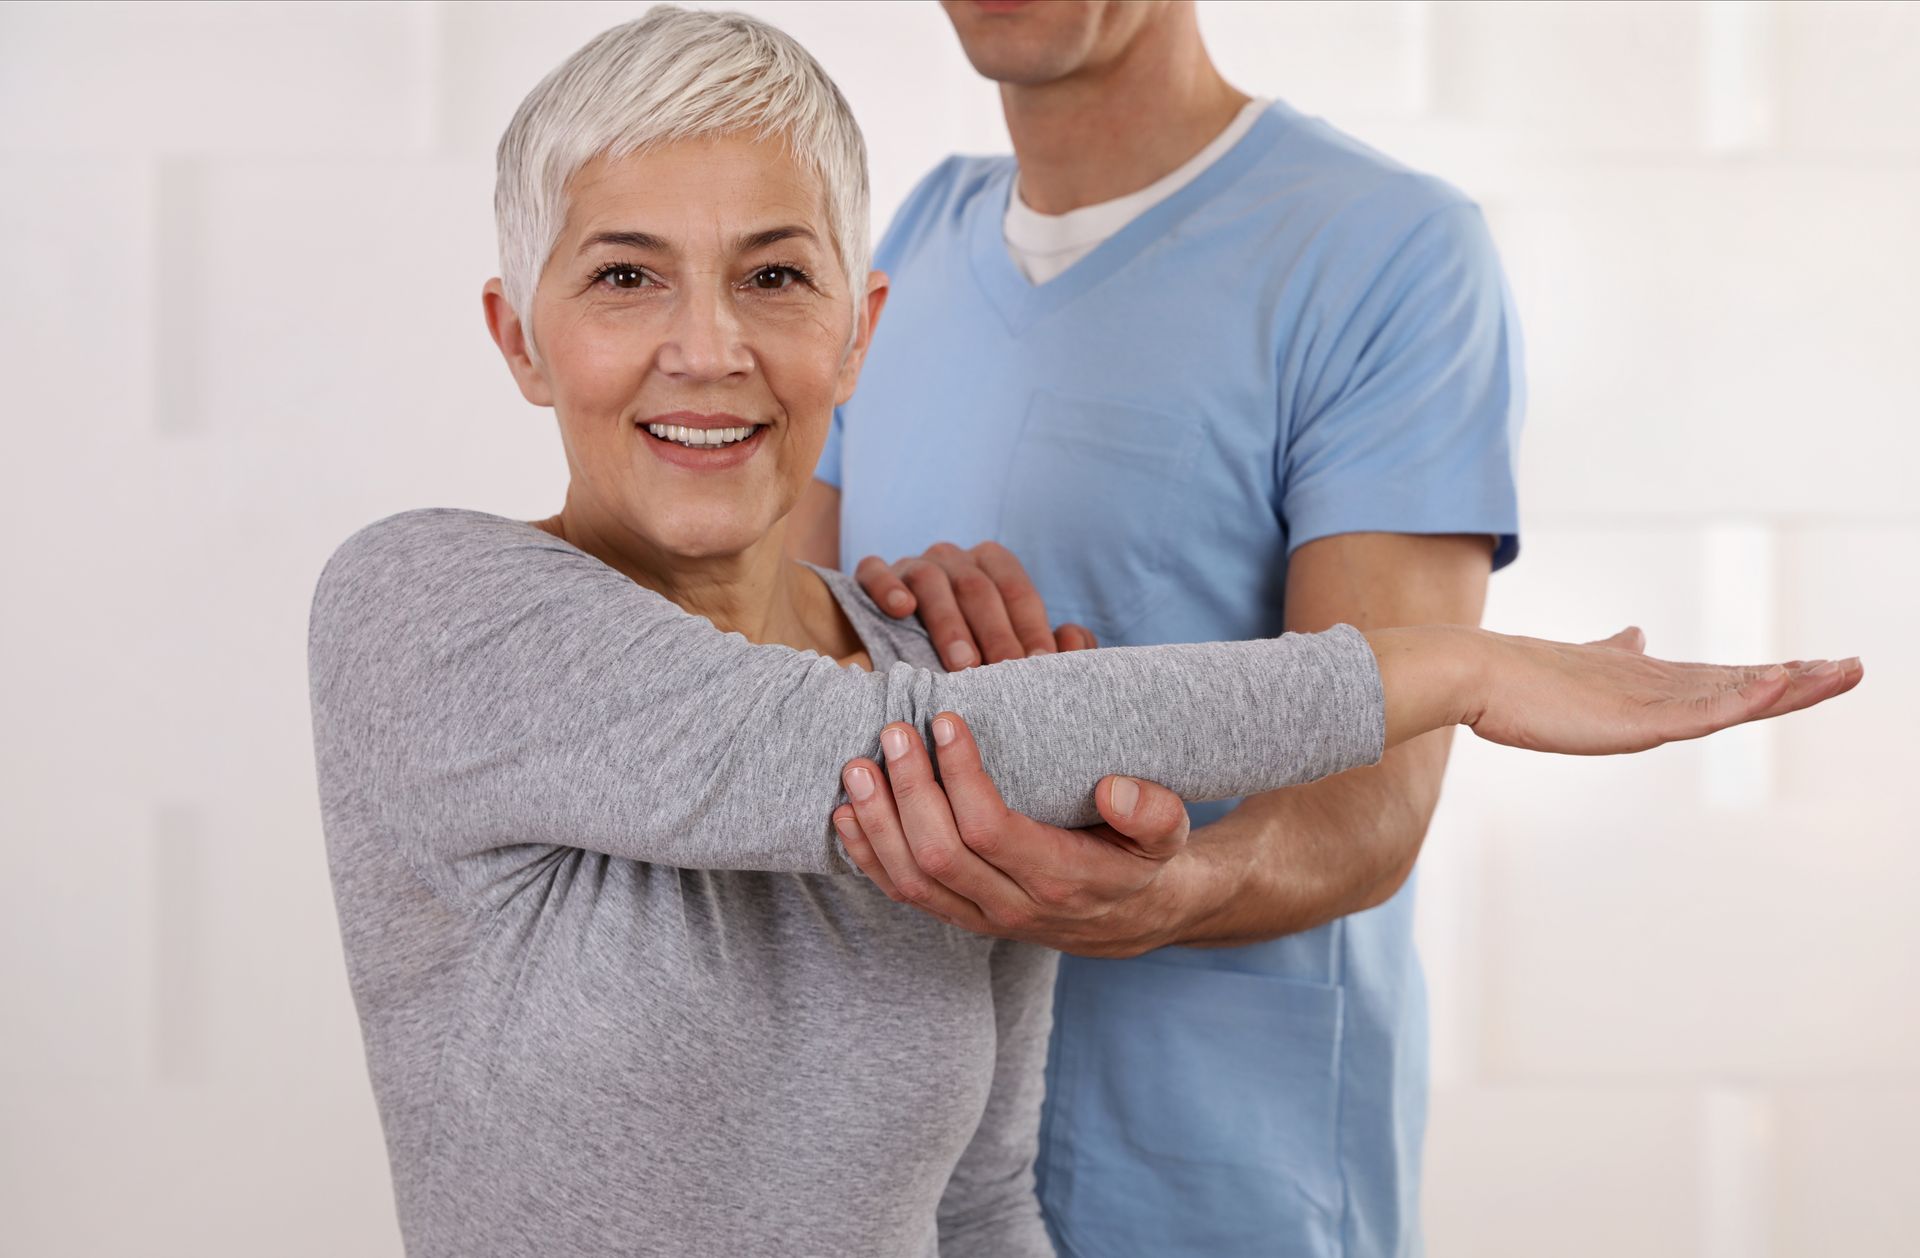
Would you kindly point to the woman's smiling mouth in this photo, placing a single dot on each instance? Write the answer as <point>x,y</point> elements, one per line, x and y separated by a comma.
<point>703,442</point>
<point>701,438</point>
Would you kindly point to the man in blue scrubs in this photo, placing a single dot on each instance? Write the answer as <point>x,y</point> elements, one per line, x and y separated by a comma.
<point>1211,370</point>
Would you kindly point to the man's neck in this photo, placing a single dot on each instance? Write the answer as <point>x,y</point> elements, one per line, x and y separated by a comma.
<point>1113,129</point>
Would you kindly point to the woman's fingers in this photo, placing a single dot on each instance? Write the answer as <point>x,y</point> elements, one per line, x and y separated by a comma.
<point>1734,696</point>
<point>1849,675</point>
<point>1805,684</point>
<point>1704,701</point>
<point>1605,699</point>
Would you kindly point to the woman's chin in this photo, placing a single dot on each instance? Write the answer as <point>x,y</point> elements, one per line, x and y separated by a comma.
<point>700,539</point>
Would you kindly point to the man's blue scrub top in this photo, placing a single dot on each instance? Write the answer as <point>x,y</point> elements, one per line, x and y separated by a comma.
<point>1308,339</point>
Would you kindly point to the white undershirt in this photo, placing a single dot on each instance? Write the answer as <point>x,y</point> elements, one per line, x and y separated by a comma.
<point>1043,245</point>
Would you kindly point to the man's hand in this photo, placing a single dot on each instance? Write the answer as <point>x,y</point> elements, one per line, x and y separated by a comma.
<point>978,605</point>
<point>953,849</point>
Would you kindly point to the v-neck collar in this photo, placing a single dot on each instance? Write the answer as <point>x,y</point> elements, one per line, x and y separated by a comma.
<point>1022,303</point>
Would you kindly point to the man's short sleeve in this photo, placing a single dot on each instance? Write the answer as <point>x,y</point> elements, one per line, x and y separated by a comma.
<point>1411,422</point>
<point>828,468</point>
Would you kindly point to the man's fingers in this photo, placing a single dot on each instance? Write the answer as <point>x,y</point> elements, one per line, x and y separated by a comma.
<point>873,805</point>
<point>854,839</point>
<point>978,810</point>
<point>927,816</point>
<point>940,613</point>
<point>1152,817</point>
<point>1024,608</point>
<point>1029,857</point>
<point>1074,638</point>
<point>977,605</point>
<point>980,603</point>
<point>884,586</point>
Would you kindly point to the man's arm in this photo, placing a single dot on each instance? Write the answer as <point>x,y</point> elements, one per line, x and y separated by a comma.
<point>1281,862</point>
<point>813,526</point>
<point>1293,859</point>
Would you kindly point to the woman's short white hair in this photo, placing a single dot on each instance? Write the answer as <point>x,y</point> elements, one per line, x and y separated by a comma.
<point>674,74</point>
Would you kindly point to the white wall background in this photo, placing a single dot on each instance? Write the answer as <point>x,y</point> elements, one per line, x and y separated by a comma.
<point>1677,996</point>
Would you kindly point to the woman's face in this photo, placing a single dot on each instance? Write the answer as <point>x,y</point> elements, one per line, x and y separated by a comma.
<point>695,332</point>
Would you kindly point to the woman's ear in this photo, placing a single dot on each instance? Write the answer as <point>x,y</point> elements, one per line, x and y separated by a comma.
<point>503,322</point>
<point>868,313</point>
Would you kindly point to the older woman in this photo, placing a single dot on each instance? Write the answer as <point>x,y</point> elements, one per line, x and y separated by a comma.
<point>620,988</point>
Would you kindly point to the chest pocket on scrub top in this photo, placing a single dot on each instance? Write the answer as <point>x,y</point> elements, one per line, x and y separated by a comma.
<point>1092,506</point>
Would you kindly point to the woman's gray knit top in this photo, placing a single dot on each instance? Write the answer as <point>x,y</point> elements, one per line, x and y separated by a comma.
<point>620,990</point>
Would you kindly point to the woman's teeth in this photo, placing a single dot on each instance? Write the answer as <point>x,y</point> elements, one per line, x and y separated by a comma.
<point>701,438</point>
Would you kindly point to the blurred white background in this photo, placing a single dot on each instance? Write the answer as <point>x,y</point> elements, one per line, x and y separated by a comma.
<point>1676,996</point>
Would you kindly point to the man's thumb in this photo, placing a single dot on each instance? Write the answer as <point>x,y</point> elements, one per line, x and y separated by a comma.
<point>1147,813</point>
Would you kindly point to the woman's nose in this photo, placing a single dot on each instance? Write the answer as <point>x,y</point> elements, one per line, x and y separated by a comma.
<point>705,339</point>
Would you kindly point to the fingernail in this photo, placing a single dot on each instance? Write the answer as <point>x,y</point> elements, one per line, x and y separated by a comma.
<point>859,783</point>
<point>1041,650</point>
<point>1826,668</point>
<point>894,739</point>
<point>1123,795</point>
<point>898,600</point>
<point>1850,663</point>
<point>942,731</point>
<point>846,829</point>
<point>960,655</point>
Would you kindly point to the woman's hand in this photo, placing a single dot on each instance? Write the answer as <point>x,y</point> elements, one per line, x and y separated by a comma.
<point>1608,697</point>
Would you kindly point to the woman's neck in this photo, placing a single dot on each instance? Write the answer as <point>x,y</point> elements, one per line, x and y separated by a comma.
<point>760,593</point>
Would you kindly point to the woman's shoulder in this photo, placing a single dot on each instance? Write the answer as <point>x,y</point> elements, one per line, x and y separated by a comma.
<point>430,529</point>
<point>420,565</point>
<point>413,545</point>
<point>884,637</point>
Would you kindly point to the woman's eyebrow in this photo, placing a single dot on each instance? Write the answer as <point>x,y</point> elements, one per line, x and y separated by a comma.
<point>773,236</point>
<point>626,240</point>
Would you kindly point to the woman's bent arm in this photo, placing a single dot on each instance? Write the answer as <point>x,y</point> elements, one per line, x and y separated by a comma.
<point>481,685</point>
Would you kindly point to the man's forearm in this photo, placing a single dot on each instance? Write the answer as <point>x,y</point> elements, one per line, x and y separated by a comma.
<point>1293,859</point>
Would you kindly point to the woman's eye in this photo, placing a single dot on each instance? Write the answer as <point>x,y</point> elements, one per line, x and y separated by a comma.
<point>774,277</point>
<point>623,276</point>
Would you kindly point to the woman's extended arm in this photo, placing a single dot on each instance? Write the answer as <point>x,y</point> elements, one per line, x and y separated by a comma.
<point>482,685</point>
<point>1587,699</point>
<point>479,685</point>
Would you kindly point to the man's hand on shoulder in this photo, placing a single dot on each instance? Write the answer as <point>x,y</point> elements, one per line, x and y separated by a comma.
<point>978,604</point>
<point>953,849</point>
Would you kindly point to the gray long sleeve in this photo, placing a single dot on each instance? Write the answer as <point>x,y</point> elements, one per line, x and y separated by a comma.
<point>497,687</point>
